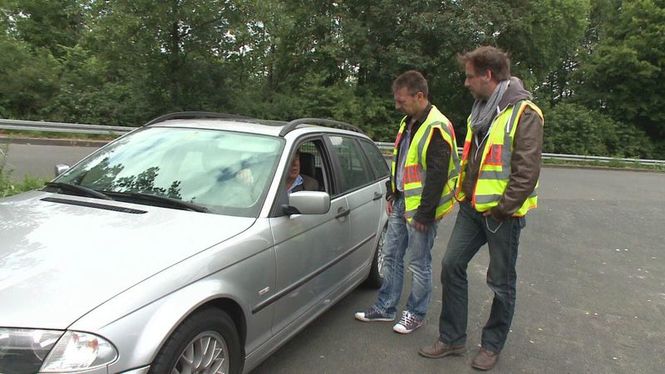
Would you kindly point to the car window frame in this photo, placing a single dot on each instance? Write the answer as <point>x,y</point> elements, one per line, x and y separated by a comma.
<point>281,197</point>
<point>338,165</point>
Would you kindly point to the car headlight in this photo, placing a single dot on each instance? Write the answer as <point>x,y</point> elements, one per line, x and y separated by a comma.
<point>22,351</point>
<point>77,351</point>
<point>25,351</point>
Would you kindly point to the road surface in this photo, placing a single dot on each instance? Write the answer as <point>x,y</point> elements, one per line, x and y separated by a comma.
<point>591,292</point>
<point>38,160</point>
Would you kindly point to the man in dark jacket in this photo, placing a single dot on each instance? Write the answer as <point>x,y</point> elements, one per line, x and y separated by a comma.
<point>299,182</point>
<point>498,177</point>
<point>424,171</point>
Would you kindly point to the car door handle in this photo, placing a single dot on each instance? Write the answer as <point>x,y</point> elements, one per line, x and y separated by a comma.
<point>377,195</point>
<point>342,212</point>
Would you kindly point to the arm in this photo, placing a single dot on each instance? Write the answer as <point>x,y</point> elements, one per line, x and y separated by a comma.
<point>524,165</point>
<point>438,157</point>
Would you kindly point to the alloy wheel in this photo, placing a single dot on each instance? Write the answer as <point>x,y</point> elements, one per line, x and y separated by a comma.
<point>207,353</point>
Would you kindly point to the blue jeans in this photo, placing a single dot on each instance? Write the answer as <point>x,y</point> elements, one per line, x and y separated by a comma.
<point>472,230</point>
<point>401,236</point>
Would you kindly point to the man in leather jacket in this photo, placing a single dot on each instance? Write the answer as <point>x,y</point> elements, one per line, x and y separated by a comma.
<point>498,176</point>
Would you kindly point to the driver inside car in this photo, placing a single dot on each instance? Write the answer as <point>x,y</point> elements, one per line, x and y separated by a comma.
<point>295,181</point>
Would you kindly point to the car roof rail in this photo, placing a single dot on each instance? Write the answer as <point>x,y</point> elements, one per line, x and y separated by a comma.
<point>321,122</point>
<point>194,115</point>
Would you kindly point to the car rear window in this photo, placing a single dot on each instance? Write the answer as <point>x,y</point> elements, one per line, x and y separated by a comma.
<point>376,159</point>
<point>355,171</point>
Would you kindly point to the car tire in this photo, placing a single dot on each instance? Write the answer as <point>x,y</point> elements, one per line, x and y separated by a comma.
<point>375,278</point>
<point>208,339</point>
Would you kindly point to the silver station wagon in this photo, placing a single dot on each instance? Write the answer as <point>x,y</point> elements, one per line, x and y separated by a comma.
<point>182,247</point>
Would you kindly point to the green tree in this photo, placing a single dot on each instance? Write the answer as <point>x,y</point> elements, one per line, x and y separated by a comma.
<point>540,34</point>
<point>49,24</point>
<point>29,79</point>
<point>167,56</point>
<point>90,93</point>
<point>387,37</point>
<point>623,75</point>
<point>574,129</point>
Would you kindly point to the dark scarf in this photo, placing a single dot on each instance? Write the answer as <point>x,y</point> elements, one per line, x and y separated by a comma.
<point>484,111</point>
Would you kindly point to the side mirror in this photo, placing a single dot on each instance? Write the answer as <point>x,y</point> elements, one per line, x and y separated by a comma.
<point>60,168</point>
<point>307,202</point>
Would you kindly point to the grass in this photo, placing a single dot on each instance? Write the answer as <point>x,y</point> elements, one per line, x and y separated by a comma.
<point>7,187</point>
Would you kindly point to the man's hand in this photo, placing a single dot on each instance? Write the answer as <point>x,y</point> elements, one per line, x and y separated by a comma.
<point>496,214</point>
<point>419,226</point>
<point>389,207</point>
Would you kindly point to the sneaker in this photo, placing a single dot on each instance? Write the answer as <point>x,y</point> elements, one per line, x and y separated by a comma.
<point>407,323</point>
<point>374,314</point>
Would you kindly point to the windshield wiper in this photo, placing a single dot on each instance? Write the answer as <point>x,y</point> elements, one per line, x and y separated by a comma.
<point>78,189</point>
<point>161,200</point>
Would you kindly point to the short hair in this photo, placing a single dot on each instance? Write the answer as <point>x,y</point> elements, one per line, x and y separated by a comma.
<point>413,81</point>
<point>487,58</point>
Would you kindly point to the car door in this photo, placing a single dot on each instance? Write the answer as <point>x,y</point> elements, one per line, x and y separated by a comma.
<point>365,196</point>
<point>307,248</point>
<point>381,175</point>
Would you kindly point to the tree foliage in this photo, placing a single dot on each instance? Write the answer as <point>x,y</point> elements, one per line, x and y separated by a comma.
<point>575,129</point>
<point>624,74</point>
<point>595,63</point>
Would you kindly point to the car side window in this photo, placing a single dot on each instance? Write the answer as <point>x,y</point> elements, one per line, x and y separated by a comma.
<point>354,169</point>
<point>376,159</point>
<point>311,166</point>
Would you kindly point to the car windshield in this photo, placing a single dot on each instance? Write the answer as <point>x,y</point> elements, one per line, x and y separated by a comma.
<point>223,172</point>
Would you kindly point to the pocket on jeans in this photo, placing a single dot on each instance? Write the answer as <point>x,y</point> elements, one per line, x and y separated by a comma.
<point>492,224</point>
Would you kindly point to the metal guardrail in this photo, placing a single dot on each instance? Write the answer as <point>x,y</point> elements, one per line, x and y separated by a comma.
<point>554,156</point>
<point>385,147</point>
<point>76,128</point>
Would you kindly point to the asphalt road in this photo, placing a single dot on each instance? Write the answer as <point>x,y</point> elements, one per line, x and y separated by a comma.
<point>591,292</point>
<point>591,286</point>
<point>39,160</point>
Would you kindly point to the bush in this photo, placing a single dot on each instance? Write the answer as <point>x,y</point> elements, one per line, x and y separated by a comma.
<point>575,129</point>
<point>5,185</point>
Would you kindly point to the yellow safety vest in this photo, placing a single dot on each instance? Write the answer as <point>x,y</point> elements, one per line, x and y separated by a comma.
<point>415,167</point>
<point>494,172</point>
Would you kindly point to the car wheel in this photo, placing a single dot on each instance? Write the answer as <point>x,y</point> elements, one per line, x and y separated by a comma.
<point>375,277</point>
<point>207,342</point>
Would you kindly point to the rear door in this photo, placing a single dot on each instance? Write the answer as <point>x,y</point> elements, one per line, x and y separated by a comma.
<point>381,173</point>
<point>365,195</point>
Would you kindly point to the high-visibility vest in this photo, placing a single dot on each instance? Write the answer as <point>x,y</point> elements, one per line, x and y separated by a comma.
<point>494,172</point>
<point>415,167</point>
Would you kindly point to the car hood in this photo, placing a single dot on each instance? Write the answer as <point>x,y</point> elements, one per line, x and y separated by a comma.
<point>59,261</point>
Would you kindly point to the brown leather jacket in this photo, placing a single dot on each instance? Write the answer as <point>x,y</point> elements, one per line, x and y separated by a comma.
<point>525,160</point>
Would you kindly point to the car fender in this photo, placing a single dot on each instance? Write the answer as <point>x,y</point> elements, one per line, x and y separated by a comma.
<point>245,278</point>
<point>151,325</point>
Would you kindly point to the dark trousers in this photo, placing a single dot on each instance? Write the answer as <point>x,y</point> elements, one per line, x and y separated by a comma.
<point>472,230</point>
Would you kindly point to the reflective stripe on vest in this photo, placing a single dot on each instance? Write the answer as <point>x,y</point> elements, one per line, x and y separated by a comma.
<point>415,168</point>
<point>495,167</point>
